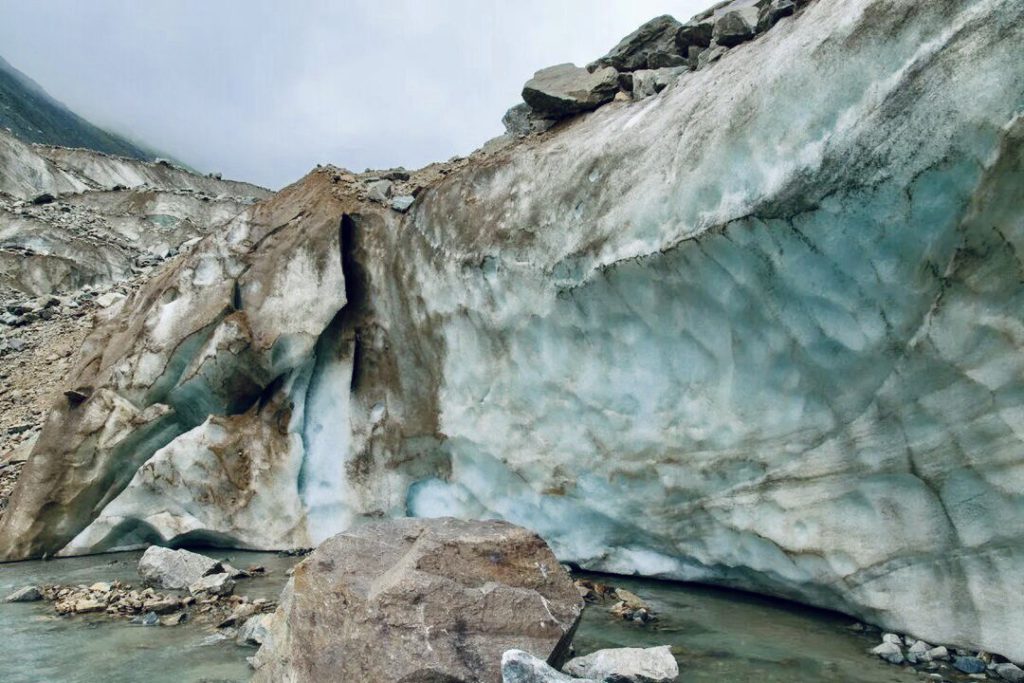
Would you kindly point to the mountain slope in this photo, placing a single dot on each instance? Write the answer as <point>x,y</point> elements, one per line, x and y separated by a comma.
<point>33,115</point>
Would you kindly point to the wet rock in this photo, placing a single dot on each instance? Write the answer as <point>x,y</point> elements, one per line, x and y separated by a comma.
<point>969,665</point>
<point>936,654</point>
<point>255,630</point>
<point>213,584</point>
<point>627,665</point>
<point>653,45</point>
<point>735,27</point>
<point>1009,672</point>
<point>521,120</point>
<point>420,599</point>
<point>175,569</point>
<point>566,89</point>
<point>147,619</point>
<point>25,594</point>
<point>522,667</point>
<point>890,652</point>
<point>44,198</point>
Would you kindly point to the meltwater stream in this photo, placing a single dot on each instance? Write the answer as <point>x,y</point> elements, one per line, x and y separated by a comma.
<point>717,635</point>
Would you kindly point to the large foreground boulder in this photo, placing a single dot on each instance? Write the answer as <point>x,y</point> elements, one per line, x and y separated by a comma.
<point>420,601</point>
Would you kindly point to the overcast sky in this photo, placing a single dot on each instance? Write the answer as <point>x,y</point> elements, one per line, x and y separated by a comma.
<point>263,91</point>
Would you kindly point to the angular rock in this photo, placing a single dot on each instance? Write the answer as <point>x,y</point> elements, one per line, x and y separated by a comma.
<point>694,34</point>
<point>174,619</point>
<point>89,606</point>
<point>408,599</point>
<point>255,630</point>
<point>936,654</point>
<point>402,203</point>
<point>521,120</point>
<point>890,652</point>
<point>566,89</point>
<point>213,584</point>
<point>626,665</point>
<point>25,594</point>
<point>162,605</point>
<point>175,569</point>
<point>892,638</point>
<point>379,191</point>
<point>969,665</point>
<point>735,27</point>
<point>522,667</point>
<point>651,46</point>
<point>772,12</point>
<point>1009,672</point>
<point>648,82</point>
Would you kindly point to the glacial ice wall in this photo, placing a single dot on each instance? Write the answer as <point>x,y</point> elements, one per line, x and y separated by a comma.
<point>762,329</point>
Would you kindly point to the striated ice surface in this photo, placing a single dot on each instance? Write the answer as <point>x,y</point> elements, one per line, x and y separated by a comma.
<point>763,329</point>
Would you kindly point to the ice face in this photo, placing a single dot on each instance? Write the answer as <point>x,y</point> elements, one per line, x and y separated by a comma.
<point>762,329</point>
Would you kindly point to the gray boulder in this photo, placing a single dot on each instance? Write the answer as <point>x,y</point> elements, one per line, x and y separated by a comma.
<point>402,203</point>
<point>650,46</point>
<point>521,120</point>
<point>255,630</point>
<point>174,569</point>
<point>694,34</point>
<point>379,191</point>
<point>420,600</point>
<point>26,594</point>
<point>627,665</point>
<point>522,667</point>
<point>736,26</point>
<point>772,12</point>
<point>566,89</point>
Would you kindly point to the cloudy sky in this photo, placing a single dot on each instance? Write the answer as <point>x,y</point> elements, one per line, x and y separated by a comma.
<point>263,91</point>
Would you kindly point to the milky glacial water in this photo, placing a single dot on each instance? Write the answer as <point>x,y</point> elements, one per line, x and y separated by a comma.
<point>717,635</point>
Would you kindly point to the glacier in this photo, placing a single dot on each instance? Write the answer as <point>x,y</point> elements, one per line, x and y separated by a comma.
<point>763,329</point>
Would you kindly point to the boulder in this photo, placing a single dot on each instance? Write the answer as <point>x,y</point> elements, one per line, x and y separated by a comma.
<point>736,26</point>
<point>402,203</point>
<point>522,667</point>
<point>772,12</point>
<point>566,89</point>
<point>25,594</point>
<point>521,120</point>
<point>627,665</point>
<point>694,34</point>
<point>379,191</point>
<point>174,569</point>
<point>652,45</point>
<point>418,600</point>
